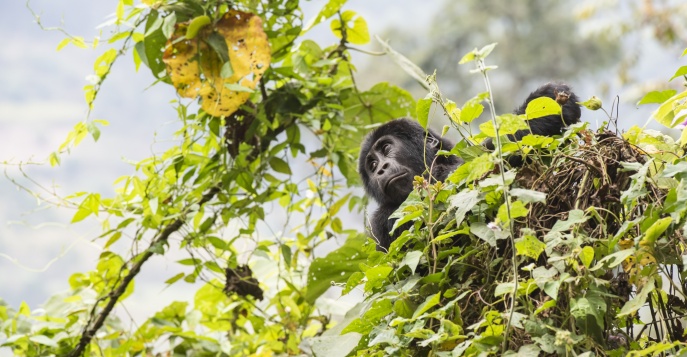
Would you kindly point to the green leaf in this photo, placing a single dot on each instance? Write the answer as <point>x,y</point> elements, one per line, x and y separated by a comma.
<point>453,113</point>
<point>657,97</point>
<point>411,260</point>
<point>657,229</point>
<point>638,301</point>
<point>468,57</point>
<point>483,232</point>
<point>280,166</point>
<point>379,310</point>
<point>545,306</point>
<point>404,308</point>
<point>406,218</point>
<point>541,107</point>
<point>336,267</point>
<point>508,124</point>
<point>210,297</point>
<point>538,141</point>
<point>334,209</point>
<point>196,24</point>
<point>151,48</point>
<point>473,170</point>
<point>63,43</point>
<point>463,202</point>
<point>237,88</point>
<point>43,340</point>
<point>517,210</point>
<point>574,217</point>
<point>422,108</point>
<point>227,70</point>
<point>530,246</point>
<point>376,275</point>
<point>429,303</point>
<point>587,256</point>
<point>486,50</point>
<point>528,196</point>
<point>219,45</point>
<point>471,110</point>
<point>589,313</point>
<point>383,102</point>
<point>114,238</point>
<point>54,159</point>
<point>332,343</point>
<point>152,27</point>
<point>328,10</point>
<point>354,280</point>
<point>218,243</point>
<point>88,206</point>
<point>168,25</point>
<point>613,260</point>
<point>503,289</point>
<point>529,351</point>
<point>682,71</point>
<point>355,26</point>
<point>174,279</point>
<point>665,112</point>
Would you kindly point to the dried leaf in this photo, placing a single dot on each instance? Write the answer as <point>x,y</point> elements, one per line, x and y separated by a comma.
<point>195,66</point>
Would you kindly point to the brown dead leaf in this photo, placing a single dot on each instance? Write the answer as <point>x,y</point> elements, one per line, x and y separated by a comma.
<point>194,66</point>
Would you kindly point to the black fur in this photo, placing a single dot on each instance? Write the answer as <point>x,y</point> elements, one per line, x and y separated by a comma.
<point>394,153</point>
<point>552,124</point>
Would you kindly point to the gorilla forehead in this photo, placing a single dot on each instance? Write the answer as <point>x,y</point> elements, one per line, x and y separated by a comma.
<point>403,128</point>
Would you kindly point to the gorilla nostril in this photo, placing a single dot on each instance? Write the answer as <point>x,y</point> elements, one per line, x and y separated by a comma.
<point>380,172</point>
<point>385,166</point>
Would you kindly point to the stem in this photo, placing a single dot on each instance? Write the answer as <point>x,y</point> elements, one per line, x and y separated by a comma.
<point>114,296</point>
<point>506,195</point>
<point>581,189</point>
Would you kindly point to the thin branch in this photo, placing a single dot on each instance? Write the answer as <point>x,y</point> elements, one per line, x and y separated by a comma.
<point>90,330</point>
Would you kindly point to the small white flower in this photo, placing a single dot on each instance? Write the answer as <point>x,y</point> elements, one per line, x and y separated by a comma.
<point>493,226</point>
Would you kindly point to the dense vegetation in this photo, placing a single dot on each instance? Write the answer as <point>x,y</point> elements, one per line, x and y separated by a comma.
<point>557,257</point>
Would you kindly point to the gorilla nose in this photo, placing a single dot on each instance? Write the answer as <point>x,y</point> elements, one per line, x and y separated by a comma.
<point>382,168</point>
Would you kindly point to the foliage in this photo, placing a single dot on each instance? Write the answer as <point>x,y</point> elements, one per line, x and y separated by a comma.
<point>557,257</point>
<point>275,135</point>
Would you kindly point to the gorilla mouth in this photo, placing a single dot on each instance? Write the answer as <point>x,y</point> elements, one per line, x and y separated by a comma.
<point>391,181</point>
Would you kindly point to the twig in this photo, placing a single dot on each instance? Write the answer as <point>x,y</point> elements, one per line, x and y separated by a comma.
<point>114,296</point>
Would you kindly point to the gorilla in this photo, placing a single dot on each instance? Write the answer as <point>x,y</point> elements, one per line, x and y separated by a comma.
<point>393,154</point>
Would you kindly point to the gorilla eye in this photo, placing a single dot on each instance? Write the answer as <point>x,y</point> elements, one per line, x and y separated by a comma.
<point>373,165</point>
<point>386,149</point>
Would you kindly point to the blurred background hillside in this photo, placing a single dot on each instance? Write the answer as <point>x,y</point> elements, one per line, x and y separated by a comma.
<point>605,48</point>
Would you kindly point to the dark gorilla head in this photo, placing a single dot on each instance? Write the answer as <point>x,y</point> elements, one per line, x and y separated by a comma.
<point>390,157</point>
<point>553,124</point>
<point>393,154</point>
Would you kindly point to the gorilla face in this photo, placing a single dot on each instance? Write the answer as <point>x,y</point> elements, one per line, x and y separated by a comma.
<point>392,155</point>
<point>390,168</point>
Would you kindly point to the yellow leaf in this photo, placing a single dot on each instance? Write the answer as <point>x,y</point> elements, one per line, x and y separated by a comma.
<point>63,43</point>
<point>355,25</point>
<point>120,11</point>
<point>195,67</point>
